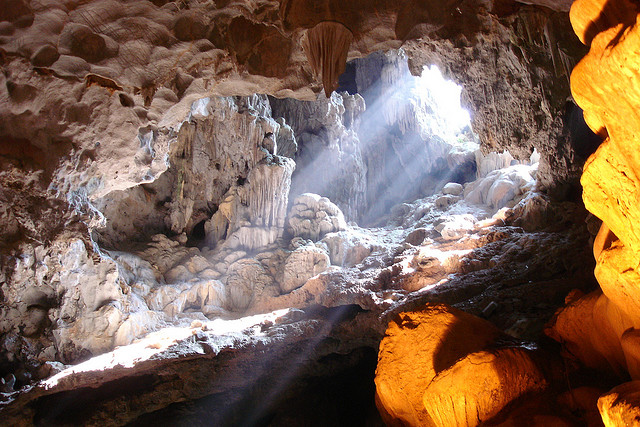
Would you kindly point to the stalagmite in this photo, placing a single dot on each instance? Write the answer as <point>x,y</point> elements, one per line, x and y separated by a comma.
<point>327,46</point>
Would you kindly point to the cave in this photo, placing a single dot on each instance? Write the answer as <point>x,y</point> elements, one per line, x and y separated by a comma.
<point>309,212</point>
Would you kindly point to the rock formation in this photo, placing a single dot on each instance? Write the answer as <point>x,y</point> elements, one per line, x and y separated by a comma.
<point>327,46</point>
<point>600,328</point>
<point>181,241</point>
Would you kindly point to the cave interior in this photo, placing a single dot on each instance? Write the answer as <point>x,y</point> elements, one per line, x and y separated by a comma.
<point>312,212</point>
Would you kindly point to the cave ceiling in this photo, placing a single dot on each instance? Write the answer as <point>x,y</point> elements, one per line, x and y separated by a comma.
<point>85,79</point>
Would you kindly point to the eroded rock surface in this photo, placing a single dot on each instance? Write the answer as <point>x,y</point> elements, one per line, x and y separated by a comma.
<point>599,329</point>
<point>440,366</point>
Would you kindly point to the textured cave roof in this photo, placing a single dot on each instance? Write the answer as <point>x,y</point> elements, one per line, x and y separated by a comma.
<point>87,79</point>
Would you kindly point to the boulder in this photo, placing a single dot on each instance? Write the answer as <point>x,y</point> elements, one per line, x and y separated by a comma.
<point>348,248</point>
<point>313,216</point>
<point>416,347</point>
<point>453,188</point>
<point>247,280</point>
<point>621,405</point>
<point>480,385</point>
<point>301,265</point>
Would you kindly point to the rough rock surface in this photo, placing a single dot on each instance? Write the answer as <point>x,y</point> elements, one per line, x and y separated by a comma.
<point>416,347</point>
<point>517,95</point>
<point>168,283</point>
<point>440,366</point>
<point>620,406</point>
<point>606,85</point>
<point>480,385</point>
<point>312,217</point>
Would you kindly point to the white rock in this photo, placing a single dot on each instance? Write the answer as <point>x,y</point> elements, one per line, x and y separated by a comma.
<point>452,188</point>
<point>313,216</point>
<point>348,248</point>
<point>246,280</point>
<point>301,265</point>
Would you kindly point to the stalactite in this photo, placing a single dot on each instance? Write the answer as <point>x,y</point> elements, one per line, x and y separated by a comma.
<point>326,46</point>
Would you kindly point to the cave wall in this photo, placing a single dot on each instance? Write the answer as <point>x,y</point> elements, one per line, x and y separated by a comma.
<point>600,329</point>
<point>132,65</point>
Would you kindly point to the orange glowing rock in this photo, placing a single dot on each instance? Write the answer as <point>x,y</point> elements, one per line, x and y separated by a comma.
<point>612,189</point>
<point>602,329</point>
<point>619,277</point>
<point>604,239</point>
<point>606,84</point>
<point>621,405</point>
<point>479,386</point>
<point>590,329</point>
<point>416,347</point>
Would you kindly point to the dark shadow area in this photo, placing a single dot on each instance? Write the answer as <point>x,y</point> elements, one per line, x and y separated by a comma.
<point>342,396</point>
<point>582,138</point>
<point>75,407</point>
<point>197,235</point>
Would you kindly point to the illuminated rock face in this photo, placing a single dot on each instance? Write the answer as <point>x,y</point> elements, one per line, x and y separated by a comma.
<point>606,84</point>
<point>440,366</point>
<point>416,347</point>
<point>477,387</point>
<point>600,329</point>
<point>621,405</point>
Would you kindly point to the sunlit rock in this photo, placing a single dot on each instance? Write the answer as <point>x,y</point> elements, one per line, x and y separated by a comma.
<point>247,280</point>
<point>252,215</point>
<point>504,187</point>
<point>301,265</point>
<point>349,247</point>
<point>620,406</point>
<point>452,188</point>
<point>329,157</point>
<point>455,226</point>
<point>312,217</point>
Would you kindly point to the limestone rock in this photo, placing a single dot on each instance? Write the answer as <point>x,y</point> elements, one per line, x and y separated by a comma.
<point>301,265</point>
<point>253,214</point>
<point>618,274</point>
<point>503,187</point>
<point>45,56</point>
<point>452,188</point>
<point>591,329</point>
<point>606,88</point>
<point>327,45</point>
<point>417,347</point>
<point>312,216</point>
<point>329,152</point>
<point>478,386</point>
<point>605,85</point>
<point>620,406</point>
<point>455,226</point>
<point>349,247</point>
<point>247,281</point>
